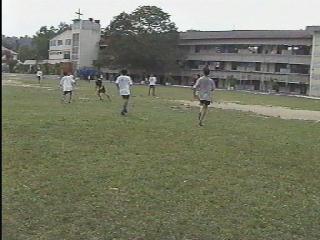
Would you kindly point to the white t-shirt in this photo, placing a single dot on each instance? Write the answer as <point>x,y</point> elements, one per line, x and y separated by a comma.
<point>67,83</point>
<point>39,73</point>
<point>124,83</point>
<point>152,81</point>
<point>205,86</point>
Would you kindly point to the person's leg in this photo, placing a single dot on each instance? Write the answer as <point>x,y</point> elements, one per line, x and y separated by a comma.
<point>107,96</point>
<point>63,97</point>
<point>39,79</point>
<point>99,94</point>
<point>200,111</point>
<point>149,91</point>
<point>125,105</point>
<point>70,96</point>
<point>154,91</point>
<point>204,111</point>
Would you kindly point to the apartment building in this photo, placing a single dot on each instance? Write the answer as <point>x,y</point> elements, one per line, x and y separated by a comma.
<point>282,60</point>
<point>77,47</point>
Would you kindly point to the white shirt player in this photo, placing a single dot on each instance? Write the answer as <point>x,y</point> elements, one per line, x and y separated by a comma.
<point>152,81</point>
<point>205,86</point>
<point>39,73</point>
<point>124,83</point>
<point>67,83</point>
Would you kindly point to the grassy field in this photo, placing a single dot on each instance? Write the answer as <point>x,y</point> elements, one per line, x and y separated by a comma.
<point>81,171</point>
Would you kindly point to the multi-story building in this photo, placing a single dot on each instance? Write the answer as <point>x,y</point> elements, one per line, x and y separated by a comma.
<point>284,60</point>
<point>78,46</point>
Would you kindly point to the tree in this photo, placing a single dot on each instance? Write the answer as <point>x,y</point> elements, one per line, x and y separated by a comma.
<point>120,25</point>
<point>62,27</point>
<point>41,41</point>
<point>26,53</point>
<point>145,41</point>
<point>151,19</point>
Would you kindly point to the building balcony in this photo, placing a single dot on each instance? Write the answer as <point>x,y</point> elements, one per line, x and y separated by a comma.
<point>258,76</point>
<point>263,58</point>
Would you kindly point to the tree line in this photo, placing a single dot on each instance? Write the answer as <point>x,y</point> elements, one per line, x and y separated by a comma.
<point>35,47</point>
<point>145,40</point>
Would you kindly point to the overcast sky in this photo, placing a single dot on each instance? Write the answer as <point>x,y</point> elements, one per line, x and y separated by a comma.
<point>25,17</point>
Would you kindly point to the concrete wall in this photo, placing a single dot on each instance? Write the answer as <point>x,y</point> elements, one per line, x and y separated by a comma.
<point>89,47</point>
<point>315,66</point>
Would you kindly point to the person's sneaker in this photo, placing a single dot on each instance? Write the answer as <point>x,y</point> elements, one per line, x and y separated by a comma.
<point>200,124</point>
<point>122,113</point>
<point>125,111</point>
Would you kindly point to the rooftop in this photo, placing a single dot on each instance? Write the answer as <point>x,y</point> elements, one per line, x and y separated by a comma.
<point>9,50</point>
<point>245,34</point>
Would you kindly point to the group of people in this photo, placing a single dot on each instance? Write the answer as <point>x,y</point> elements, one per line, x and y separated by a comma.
<point>202,90</point>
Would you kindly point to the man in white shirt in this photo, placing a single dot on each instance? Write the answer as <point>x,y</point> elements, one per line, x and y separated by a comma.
<point>66,83</point>
<point>152,85</point>
<point>39,75</point>
<point>205,85</point>
<point>124,83</point>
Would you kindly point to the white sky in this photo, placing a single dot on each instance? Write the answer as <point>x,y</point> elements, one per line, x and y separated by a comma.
<point>25,17</point>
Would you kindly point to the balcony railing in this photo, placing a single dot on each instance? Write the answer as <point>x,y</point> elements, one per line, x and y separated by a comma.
<point>253,57</point>
<point>259,76</point>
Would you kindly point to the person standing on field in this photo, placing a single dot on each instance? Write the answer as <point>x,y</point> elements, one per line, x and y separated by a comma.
<point>152,85</point>
<point>39,75</point>
<point>67,83</point>
<point>124,83</point>
<point>205,87</point>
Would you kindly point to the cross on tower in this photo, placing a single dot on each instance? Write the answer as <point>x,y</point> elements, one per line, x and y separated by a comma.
<point>79,13</point>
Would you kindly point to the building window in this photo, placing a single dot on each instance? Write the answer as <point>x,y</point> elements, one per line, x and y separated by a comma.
<point>60,42</point>
<point>75,39</point>
<point>53,43</point>
<point>282,68</point>
<point>66,55</point>
<point>234,66</point>
<point>301,69</point>
<point>197,49</point>
<point>75,51</point>
<point>258,66</point>
<point>68,42</point>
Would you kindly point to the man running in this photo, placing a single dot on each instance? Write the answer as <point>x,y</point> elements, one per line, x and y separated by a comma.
<point>66,84</point>
<point>205,87</point>
<point>124,83</point>
<point>101,89</point>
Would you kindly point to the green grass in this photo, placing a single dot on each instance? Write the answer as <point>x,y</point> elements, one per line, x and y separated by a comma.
<point>81,171</point>
<point>176,93</point>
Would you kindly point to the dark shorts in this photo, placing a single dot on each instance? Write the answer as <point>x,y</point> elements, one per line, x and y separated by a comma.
<point>205,102</point>
<point>125,96</point>
<point>152,86</point>
<point>67,92</point>
<point>101,90</point>
<point>39,77</point>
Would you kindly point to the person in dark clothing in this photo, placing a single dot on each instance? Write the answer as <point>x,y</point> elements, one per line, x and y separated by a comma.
<point>100,89</point>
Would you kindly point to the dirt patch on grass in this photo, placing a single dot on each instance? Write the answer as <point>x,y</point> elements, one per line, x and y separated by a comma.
<point>19,84</point>
<point>271,111</point>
